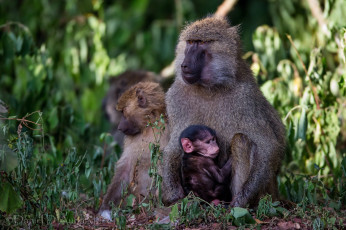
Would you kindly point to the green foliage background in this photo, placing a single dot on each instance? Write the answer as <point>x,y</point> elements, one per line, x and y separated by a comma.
<point>56,58</point>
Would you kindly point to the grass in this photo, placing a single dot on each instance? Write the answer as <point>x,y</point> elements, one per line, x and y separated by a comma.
<point>42,194</point>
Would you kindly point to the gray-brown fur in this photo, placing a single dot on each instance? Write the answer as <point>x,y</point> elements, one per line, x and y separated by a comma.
<point>132,168</point>
<point>231,104</point>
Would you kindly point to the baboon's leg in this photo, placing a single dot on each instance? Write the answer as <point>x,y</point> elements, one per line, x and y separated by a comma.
<point>243,155</point>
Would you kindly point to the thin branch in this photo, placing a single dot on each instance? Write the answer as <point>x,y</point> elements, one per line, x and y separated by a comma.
<point>20,25</point>
<point>26,125</point>
<point>22,120</point>
<point>291,110</point>
<point>225,8</point>
<point>317,100</point>
<point>317,13</point>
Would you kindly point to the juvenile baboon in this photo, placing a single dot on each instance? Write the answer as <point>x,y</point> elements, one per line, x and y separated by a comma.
<point>142,103</point>
<point>118,85</point>
<point>199,171</point>
<point>215,87</point>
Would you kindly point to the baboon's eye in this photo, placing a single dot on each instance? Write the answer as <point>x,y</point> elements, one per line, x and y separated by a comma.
<point>206,42</point>
<point>190,42</point>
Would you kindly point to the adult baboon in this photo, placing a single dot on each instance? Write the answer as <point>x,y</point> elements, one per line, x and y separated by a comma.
<point>215,87</point>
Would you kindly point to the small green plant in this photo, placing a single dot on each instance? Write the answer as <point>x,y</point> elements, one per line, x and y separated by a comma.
<point>158,128</point>
<point>193,210</point>
<point>188,211</point>
<point>118,215</point>
<point>268,208</point>
<point>318,224</point>
<point>37,189</point>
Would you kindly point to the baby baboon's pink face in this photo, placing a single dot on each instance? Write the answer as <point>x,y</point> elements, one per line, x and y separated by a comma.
<point>207,146</point>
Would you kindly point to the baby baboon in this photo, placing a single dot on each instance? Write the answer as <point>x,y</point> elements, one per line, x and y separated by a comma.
<point>142,103</point>
<point>215,87</point>
<point>118,85</point>
<point>200,174</point>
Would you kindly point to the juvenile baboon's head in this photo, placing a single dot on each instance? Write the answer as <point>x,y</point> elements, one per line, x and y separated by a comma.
<point>140,104</point>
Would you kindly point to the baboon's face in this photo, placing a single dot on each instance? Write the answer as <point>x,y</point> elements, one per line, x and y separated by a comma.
<point>207,54</point>
<point>206,63</point>
<point>207,146</point>
<point>129,123</point>
<point>196,65</point>
<point>134,111</point>
<point>142,103</point>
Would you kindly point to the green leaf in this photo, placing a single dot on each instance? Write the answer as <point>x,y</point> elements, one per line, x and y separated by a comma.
<point>302,125</point>
<point>249,219</point>
<point>145,205</point>
<point>291,132</point>
<point>103,136</point>
<point>272,211</point>
<point>9,199</point>
<point>332,221</point>
<point>9,45</point>
<point>10,160</point>
<point>173,215</point>
<point>109,139</point>
<point>27,42</point>
<point>276,203</point>
<point>87,172</point>
<point>70,217</point>
<point>335,205</point>
<point>242,216</point>
<point>53,118</point>
<point>318,224</point>
<point>282,210</point>
<point>239,212</point>
<point>19,43</point>
<point>129,200</point>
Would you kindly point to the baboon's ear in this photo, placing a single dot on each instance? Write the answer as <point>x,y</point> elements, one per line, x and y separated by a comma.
<point>142,101</point>
<point>187,145</point>
<point>233,32</point>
